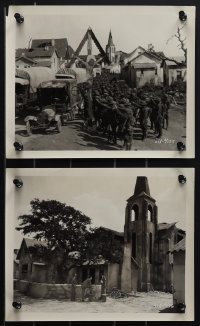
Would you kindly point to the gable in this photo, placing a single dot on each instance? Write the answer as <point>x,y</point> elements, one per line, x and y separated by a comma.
<point>145,58</point>
<point>23,251</point>
<point>139,50</point>
<point>25,60</point>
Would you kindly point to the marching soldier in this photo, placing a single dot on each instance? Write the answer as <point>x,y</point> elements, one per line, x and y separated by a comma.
<point>144,115</point>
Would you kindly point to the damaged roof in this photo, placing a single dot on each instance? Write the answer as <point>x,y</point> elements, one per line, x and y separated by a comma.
<point>180,246</point>
<point>165,226</point>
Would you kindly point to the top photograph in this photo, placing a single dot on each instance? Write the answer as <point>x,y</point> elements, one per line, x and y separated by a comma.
<point>100,81</point>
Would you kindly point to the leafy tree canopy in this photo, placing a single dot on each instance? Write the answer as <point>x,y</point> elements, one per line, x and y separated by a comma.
<point>56,223</point>
<point>68,235</point>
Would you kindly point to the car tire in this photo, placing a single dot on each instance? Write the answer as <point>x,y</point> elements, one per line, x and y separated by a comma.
<point>29,129</point>
<point>59,126</point>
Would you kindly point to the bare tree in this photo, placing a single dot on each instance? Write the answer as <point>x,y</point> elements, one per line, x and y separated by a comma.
<point>181,42</point>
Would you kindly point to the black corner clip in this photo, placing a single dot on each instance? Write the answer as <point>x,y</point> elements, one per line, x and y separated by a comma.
<point>19,18</point>
<point>182,179</point>
<point>18,146</point>
<point>182,16</point>
<point>17,305</point>
<point>181,147</point>
<point>18,183</point>
<point>181,307</point>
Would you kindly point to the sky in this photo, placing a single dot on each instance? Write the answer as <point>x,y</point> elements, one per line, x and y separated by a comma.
<point>102,197</point>
<point>130,28</point>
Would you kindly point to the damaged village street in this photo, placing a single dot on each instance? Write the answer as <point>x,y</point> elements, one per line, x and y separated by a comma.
<point>137,302</point>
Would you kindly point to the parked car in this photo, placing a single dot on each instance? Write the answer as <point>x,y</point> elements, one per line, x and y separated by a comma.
<point>46,119</point>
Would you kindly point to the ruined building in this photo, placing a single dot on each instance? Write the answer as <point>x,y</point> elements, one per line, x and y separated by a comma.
<point>147,247</point>
<point>147,262</point>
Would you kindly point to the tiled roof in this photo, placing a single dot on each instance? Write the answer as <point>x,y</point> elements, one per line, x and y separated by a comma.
<point>158,54</point>
<point>63,49</point>
<point>35,53</point>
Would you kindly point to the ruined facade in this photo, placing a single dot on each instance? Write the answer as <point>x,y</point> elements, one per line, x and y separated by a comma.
<point>147,262</point>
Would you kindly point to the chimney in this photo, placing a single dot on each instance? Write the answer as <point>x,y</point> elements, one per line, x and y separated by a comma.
<point>150,47</point>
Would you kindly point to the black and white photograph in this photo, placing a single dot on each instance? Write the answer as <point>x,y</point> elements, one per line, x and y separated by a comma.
<point>119,87</point>
<point>86,247</point>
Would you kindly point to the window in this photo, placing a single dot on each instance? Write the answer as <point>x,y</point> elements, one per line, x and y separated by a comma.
<point>25,268</point>
<point>179,237</point>
<point>142,71</point>
<point>179,73</point>
<point>92,274</point>
<point>150,248</point>
<point>134,244</point>
<point>150,215</point>
<point>156,71</point>
<point>136,212</point>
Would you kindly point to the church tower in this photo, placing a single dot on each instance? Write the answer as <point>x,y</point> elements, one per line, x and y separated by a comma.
<point>110,48</point>
<point>140,232</point>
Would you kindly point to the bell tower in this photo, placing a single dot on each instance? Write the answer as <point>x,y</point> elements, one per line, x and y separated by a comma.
<point>140,231</point>
<point>110,48</point>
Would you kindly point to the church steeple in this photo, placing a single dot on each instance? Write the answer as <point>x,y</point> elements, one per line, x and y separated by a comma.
<point>110,39</point>
<point>140,232</point>
<point>110,48</point>
<point>142,185</point>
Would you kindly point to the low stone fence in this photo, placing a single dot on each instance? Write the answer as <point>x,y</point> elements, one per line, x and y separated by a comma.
<point>56,291</point>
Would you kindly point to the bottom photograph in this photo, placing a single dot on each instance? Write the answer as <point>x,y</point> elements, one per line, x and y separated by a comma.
<point>109,244</point>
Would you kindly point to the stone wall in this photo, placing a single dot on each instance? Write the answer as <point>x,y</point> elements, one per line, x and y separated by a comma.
<point>56,291</point>
<point>179,277</point>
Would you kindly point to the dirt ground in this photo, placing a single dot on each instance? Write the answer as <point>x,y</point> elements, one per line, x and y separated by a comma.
<point>74,137</point>
<point>151,302</point>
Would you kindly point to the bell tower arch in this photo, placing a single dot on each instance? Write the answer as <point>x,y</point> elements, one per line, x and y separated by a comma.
<point>140,230</point>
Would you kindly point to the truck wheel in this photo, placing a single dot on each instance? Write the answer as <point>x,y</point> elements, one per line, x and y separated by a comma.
<point>29,129</point>
<point>59,126</point>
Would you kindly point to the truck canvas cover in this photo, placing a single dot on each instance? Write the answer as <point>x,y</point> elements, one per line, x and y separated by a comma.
<point>35,75</point>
